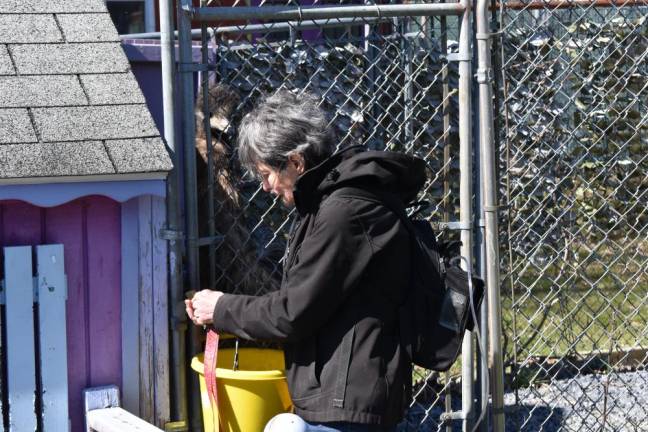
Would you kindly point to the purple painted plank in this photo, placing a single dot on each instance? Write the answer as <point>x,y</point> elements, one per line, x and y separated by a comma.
<point>104,270</point>
<point>66,224</point>
<point>21,224</point>
<point>89,229</point>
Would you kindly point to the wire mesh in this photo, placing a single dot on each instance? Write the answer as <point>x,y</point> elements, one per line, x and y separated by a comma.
<point>388,85</point>
<point>573,145</point>
<point>573,160</point>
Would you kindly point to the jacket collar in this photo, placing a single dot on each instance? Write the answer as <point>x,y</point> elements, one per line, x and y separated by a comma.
<point>306,191</point>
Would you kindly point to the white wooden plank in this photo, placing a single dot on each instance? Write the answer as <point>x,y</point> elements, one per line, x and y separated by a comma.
<point>160,312</point>
<point>117,420</point>
<point>21,380</point>
<point>130,306</point>
<point>52,295</point>
<point>147,364</point>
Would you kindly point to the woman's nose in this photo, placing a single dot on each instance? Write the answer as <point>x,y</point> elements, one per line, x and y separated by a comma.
<point>266,186</point>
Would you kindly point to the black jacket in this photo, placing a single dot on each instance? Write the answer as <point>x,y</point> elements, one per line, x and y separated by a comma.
<point>346,269</point>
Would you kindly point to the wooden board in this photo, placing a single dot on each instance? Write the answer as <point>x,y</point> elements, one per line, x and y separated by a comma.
<point>117,420</point>
<point>104,291</point>
<point>52,294</point>
<point>130,307</point>
<point>160,312</point>
<point>89,229</point>
<point>21,368</point>
<point>145,340</point>
<point>147,364</point>
<point>67,224</point>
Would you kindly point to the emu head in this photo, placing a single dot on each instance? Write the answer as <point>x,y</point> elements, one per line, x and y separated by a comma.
<point>221,103</point>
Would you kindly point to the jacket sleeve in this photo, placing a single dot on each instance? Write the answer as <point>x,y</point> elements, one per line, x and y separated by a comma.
<point>330,262</point>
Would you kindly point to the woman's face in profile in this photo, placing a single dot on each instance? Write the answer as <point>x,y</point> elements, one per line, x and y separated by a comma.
<point>281,182</point>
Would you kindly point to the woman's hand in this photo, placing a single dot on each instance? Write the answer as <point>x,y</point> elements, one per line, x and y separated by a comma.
<point>200,308</point>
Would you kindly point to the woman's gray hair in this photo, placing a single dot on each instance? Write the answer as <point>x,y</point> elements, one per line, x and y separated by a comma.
<point>282,125</point>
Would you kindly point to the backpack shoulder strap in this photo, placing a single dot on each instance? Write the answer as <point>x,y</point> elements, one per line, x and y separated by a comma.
<point>393,203</point>
<point>390,201</point>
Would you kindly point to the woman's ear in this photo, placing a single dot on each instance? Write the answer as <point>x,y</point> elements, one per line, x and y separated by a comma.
<point>298,162</point>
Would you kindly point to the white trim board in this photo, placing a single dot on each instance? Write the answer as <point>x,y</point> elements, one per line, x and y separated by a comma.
<point>53,194</point>
<point>160,175</point>
<point>145,323</point>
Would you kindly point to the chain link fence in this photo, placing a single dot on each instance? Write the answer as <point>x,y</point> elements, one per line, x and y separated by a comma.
<point>571,125</point>
<point>573,145</point>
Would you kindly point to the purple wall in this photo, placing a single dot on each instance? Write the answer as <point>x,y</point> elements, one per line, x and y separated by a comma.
<point>90,230</point>
<point>144,57</point>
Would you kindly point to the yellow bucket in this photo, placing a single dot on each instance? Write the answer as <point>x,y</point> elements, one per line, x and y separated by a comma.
<point>249,396</point>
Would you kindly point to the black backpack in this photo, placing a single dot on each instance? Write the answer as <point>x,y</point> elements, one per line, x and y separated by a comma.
<point>437,310</point>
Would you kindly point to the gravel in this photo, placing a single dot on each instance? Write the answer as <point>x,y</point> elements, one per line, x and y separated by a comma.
<point>576,404</point>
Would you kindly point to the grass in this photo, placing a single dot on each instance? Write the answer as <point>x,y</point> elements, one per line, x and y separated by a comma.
<point>589,300</point>
<point>562,325</point>
<point>593,298</point>
<point>550,324</point>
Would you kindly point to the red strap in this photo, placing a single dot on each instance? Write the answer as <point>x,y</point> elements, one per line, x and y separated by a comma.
<point>211,356</point>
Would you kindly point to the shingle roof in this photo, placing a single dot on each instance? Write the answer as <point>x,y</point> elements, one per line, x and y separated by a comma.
<point>69,103</point>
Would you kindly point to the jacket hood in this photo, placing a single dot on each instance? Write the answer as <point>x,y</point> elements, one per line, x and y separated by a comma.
<point>391,172</point>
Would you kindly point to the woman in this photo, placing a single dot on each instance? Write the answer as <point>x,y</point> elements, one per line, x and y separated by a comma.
<point>346,268</point>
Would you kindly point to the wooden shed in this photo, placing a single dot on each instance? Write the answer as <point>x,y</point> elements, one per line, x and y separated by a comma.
<point>82,165</point>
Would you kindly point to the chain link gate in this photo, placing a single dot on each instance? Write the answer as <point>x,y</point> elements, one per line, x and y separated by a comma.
<point>573,146</point>
<point>391,77</point>
<point>572,133</point>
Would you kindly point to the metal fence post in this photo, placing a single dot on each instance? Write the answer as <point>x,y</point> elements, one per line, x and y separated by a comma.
<point>204,94</point>
<point>489,181</point>
<point>465,185</point>
<point>177,316</point>
<point>482,387</point>
<point>406,59</point>
<point>191,217</point>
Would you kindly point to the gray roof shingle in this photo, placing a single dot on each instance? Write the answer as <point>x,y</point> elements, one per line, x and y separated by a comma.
<point>51,6</point>
<point>29,29</point>
<point>94,122</point>
<point>6,68</point>
<point>69,58</point>
<point>16,127</point>
<point>112,88</point>
<point>69,103</point>
<point>88,28</point>
<point>25,91</point>
<point>121,153</point>
<point>54,159</point>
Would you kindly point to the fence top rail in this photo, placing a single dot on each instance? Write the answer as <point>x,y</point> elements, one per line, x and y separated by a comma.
<point>286,13</point>
<point>566,4</point>
<point>268,28</point>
